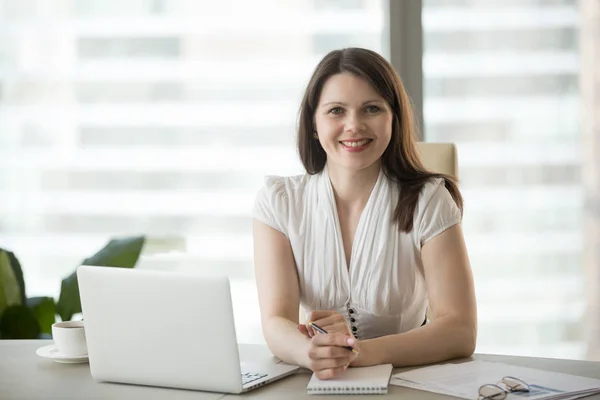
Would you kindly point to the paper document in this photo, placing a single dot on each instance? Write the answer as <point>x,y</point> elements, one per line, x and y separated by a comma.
<point>465,379</point>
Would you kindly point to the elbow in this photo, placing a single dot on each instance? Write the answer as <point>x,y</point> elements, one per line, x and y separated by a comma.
<point>269,335</point>
<point>461,336</point>
<point>272,328</point>
<point>468,348</point>
<point>467,339</point>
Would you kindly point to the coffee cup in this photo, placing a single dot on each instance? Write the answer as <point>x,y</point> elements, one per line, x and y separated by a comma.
<point>69,338</point>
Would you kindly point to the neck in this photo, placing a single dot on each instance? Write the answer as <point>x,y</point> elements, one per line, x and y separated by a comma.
<point>353,188</point>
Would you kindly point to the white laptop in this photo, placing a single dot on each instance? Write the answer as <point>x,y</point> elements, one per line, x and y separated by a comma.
<point>166,329</point>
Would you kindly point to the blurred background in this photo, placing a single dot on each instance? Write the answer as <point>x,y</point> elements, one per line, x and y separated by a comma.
<point>162,117</point>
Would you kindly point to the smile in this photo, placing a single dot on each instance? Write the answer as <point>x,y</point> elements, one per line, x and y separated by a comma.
<point>355,143</point>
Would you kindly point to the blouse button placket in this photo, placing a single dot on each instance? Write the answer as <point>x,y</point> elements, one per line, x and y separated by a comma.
<point>352,321</point>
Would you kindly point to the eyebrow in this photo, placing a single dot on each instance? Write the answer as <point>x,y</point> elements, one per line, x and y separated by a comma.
<point>343,104</point>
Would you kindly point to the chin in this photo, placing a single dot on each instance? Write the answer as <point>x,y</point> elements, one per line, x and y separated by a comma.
<point>358,165</point>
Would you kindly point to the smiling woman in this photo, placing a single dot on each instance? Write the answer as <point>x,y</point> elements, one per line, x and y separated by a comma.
<point>367,240</point>
<point>352,118</point>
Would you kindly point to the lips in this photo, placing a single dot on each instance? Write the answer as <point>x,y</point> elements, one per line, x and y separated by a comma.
<point>355,143</point>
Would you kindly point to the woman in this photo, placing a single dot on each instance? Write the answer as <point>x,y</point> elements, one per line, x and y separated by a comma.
<point>367,240</point>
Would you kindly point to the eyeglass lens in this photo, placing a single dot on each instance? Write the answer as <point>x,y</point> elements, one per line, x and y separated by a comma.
<point>491,392</point>
<point>515,384</point>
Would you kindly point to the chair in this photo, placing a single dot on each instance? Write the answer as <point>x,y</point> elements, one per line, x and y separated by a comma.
<point>439,157</point>
<point>436,157</point>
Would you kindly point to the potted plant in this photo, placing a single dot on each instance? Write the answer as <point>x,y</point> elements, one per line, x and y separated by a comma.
<point>23,317</point>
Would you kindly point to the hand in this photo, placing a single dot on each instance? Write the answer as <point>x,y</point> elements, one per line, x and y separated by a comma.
<point>331,321</point>
<point>327,355</point>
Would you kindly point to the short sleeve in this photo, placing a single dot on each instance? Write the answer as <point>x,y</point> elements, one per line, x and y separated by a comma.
<point>438,211</point>
<point>271,204</point>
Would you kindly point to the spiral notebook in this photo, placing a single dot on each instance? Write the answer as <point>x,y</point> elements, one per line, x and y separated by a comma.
<point>359,380</point>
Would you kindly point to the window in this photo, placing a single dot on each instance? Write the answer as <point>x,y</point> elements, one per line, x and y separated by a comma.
<point>160,117</point>
<point>501,80</point>
<point>120,48</point>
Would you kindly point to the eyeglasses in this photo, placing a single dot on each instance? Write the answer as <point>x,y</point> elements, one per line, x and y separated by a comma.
<point>500,390</point>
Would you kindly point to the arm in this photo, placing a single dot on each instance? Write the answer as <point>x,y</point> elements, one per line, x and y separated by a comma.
<point>278,295</point>
<point>452,333</point>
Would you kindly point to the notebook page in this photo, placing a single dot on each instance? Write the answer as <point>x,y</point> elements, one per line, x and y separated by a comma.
<point>357,380</point>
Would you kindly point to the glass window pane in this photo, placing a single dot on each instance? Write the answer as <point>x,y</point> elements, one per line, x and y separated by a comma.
<point>501,80</point>
<point>156,117</point>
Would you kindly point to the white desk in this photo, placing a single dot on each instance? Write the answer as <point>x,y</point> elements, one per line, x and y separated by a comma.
<point>25,375</point>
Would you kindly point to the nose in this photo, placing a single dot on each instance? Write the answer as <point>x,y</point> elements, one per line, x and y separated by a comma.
<point>354,123</point>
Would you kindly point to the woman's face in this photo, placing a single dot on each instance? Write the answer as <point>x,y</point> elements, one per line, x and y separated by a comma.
<point>353,122</point>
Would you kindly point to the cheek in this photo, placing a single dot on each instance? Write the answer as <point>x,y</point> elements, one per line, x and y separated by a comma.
<point>328,125</point>
<point>385,127</point>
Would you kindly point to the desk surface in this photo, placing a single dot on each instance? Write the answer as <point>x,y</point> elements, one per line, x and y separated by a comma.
<point>24,375</point>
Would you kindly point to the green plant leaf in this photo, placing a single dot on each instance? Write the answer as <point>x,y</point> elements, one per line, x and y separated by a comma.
<point>10,294</point>
<point>16,267</point>
<point>18,322</point>
<point>121,253</point>
<point>44,310</point>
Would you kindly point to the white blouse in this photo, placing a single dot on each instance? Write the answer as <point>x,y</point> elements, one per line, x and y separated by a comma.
<point>383,291</point>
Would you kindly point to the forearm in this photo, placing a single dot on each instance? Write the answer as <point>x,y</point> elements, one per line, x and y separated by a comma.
<point>437,341</point>
<point>285,341</point>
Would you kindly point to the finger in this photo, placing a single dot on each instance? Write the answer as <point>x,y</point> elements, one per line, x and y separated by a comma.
<point>331,352</point>
<point>309,330</point>
<point>330,320</point>
<point>339,327</point>
<point>328,363</point>
<point>355,360</point>
<point>330,373</point>
<point>302,329</point>
<point>334,339</point>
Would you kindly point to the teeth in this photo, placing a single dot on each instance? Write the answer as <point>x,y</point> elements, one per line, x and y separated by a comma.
<point>356,144</point>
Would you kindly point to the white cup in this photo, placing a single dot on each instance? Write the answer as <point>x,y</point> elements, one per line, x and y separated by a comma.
<point>69,338</point>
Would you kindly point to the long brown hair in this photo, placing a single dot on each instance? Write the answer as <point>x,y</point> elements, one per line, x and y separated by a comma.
<point>400,161</point>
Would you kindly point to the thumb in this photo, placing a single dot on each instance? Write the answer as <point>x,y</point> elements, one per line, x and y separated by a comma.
<point>303,330</point>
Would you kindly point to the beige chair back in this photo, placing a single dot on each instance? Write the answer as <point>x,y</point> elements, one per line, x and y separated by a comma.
<point>439,157</point>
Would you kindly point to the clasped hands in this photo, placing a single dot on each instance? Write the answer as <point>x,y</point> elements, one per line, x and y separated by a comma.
<point>327,355</point>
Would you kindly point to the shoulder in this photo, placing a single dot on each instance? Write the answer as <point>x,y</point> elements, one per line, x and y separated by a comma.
<point>432,190</point>
<point>283,188</point>
<point>277,197</point>
<point>436,210</point>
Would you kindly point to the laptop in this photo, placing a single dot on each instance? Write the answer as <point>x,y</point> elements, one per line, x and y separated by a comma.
<point>166,329</point>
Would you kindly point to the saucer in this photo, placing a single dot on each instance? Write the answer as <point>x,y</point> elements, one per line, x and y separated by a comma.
<point>52,353</point>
